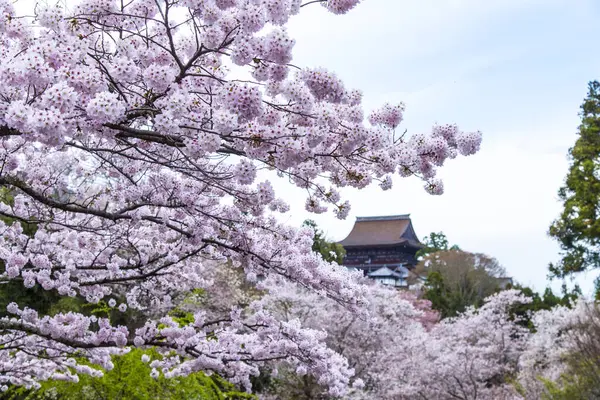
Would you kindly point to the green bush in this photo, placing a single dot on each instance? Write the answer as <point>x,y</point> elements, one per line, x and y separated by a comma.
<point>130,380</point>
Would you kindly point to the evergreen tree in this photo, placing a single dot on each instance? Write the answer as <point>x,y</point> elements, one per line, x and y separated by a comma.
<point>578,228</point>
<point>436,241</point>
<point>542,301</point>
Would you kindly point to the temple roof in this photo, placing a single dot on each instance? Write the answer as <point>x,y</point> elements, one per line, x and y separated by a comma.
<point>389,270</point>
<point>385,272</point>
<point>384,230</point>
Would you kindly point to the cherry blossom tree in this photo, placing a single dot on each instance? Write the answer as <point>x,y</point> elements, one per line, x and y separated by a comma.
<point>398,348</point>
<point>563,350</point>
<point>487,353</point>
<point>131,136</point>
<point>473,356</point>
<point>371,341</point>
<point>399,351</point>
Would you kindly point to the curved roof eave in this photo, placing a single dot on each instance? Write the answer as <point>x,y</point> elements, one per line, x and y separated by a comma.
<point>382,231</point>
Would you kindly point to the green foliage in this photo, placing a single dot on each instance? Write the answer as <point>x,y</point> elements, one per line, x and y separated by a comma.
<point>193,300</point>
<point>569,387</point>
<point>451,299</point>
<point>441,297</point>
<point>581,381</point>
<point>433,243</point>
<point>130,379</point>
<point>546,301</point>
<point>447,300</point>
<point>289,385</point>
<point>44,301</point>
<point>49,302</point>
<point>329,251</point>
<point>457,279</point>
<point>578,227</point>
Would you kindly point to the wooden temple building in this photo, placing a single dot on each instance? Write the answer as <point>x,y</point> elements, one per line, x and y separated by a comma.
<point>383,248</point>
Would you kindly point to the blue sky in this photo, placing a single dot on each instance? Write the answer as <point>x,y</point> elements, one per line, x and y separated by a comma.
<point>515,69</point>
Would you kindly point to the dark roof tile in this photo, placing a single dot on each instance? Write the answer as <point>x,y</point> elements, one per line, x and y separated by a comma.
<point>385,230</point>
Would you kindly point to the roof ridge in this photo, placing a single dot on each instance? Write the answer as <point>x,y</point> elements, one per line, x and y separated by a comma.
<point>384,218</point>
<point>382,230</point>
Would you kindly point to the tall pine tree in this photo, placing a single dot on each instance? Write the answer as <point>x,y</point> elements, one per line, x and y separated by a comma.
<point>578,228</point>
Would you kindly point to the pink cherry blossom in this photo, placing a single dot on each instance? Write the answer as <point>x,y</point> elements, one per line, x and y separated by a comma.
<point>132,144</point>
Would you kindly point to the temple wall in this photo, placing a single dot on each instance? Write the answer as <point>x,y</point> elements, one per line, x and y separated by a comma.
<point>399,255</point>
